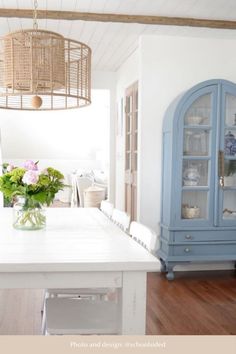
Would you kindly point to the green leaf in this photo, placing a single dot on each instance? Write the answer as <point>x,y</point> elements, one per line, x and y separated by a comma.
<point>40,197</point>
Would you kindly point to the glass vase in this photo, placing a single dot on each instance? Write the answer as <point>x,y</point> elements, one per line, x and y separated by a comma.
<point>28,214</point>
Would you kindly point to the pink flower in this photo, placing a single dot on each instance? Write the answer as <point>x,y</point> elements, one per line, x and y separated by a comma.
<point>10,168</point>
<point>30,165</point>
<point>30,177</point>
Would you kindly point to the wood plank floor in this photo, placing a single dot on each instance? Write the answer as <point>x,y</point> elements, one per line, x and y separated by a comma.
<point>194,303</point>
<point>20,311</point>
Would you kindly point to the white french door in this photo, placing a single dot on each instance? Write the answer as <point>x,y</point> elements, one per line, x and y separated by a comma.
<point>131,149</point>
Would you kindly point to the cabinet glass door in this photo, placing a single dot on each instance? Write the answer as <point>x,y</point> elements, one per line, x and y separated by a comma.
<point>196,160</point>
<point>227,160</point>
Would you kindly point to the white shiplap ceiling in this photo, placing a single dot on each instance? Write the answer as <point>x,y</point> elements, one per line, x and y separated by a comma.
<point>112,43</point>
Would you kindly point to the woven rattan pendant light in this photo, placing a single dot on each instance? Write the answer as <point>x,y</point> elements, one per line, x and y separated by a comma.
<point>43,70</point>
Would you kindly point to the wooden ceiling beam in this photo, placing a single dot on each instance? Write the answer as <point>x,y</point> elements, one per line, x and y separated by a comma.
<point>103,17</point>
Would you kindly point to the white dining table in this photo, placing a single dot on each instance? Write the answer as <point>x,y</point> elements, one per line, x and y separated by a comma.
<point>79,248</point>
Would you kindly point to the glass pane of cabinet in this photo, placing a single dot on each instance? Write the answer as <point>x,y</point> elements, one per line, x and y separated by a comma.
<point>199,113</point>
<point>230,111</point>
<point>229,204</point>
<point>230,173</point>
<point>227,163</point>
<point>228,189</point>
<point>194,204</point>
<point>195,173</point>
<point>230,142</point>
<point>196,166</point>
<point>196,142</point>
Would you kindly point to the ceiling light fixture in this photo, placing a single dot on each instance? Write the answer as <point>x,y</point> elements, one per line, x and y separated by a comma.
<point>42,70</point>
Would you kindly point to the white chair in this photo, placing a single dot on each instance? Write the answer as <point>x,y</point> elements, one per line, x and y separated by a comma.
<point>80,316</point>
<point>121,218</point>
<point>64,313</point>
<point>143,235</point>
<point>79,294</point>
<point>82,184</point>
<point>107,208</point>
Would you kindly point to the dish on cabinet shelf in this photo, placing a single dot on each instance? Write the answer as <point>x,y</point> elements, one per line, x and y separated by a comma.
<point>194,120</point>
<point>230,144</point>
<point>191,176</point>
<point>190,212</point>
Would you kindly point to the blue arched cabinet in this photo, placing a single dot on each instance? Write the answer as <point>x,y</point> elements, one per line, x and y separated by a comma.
<point>198,218</point>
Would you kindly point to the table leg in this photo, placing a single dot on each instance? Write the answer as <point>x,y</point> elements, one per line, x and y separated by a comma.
<point>132,301</point>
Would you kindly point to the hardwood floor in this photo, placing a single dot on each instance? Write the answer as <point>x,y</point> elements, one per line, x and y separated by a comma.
<point>20,311</point>
<point>194,303</point>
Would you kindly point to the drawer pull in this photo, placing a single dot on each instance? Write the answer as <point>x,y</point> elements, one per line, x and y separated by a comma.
<point>187,250</point>
<point>188,237</point>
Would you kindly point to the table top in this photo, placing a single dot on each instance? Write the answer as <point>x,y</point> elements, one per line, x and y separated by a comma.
<point>75,239</point>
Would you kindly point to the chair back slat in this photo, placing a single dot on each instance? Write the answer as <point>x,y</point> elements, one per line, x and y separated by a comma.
<point>121,218</point>
<point>107,208</point>
<point>143,235</point>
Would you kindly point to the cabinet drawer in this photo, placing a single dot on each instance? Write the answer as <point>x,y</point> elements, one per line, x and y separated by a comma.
<point>189,250</point>
<point>204,235</point>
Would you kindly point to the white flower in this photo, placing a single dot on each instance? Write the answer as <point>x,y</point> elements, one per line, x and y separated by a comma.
<point>10,168</point>
<point>30,177</point>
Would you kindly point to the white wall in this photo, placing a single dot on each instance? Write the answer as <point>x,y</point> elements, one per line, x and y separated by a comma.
<point>1,195</point>
<point>169,66</point>
<point>107,80</point>
<point>68,140</point>
<point>126,76</point>
<point>166,66</point>
<point>75,134</point>
<point>73,140</point>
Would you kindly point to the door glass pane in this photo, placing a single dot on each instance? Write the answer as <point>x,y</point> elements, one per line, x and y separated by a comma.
<point>230,110</point>
<point>128,104</point>
<point>136,121</point>
<point>199,112</point>
<point>135,158</point>
<point>230,173</point>
<point>230,142</point>
<point>195,173</point>
<point>196,142</point>
<point>135,141</point>
<point>229,204</point>
<point>194,205</point>
<point>128,142</point>
<point>136,100</point>
<point>128,124</point>
<point>128,161</point>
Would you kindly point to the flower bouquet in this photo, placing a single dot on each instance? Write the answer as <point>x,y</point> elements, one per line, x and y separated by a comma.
<point>30,190</point>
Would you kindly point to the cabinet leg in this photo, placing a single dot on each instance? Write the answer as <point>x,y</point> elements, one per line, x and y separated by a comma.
<point>170,272</point>
<point>163,266</point>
